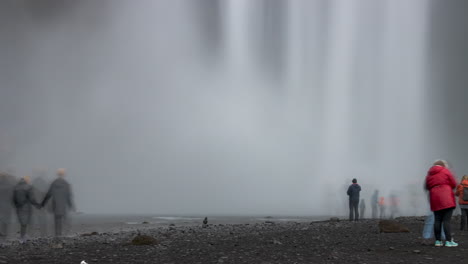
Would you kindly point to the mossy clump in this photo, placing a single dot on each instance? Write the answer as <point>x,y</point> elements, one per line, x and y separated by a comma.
<point>90,234</point>
<point>144,240</point>
<point>389,226</point>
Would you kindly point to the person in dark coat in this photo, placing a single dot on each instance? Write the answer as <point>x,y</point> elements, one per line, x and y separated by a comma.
<point>60,192</point>
<point>353,193</point>
<point>440,183</point>
<point>23,199</point>
<point>6,202</point>
<point>375,203</point>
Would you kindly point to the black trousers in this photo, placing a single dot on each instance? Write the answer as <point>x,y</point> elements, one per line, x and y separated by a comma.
<point>464,219</point>
<point>353,210</point>
<point>442,218</point>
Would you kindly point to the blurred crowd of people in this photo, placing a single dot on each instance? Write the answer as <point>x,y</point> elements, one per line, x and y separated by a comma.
<point>33,202</point>
<point>442,189</point>
<point>378,204</point>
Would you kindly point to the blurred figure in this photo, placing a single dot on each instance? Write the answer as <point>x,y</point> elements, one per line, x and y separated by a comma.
<point>440,183</point>
<point>394,205</point>
<point>362,208</point>
<point>375,203</point>
<point>382,207</point>
<point>60,192</point>
<point>40,187</point>
<point>353,192</point>
<point>428,231</point>
<point>23,200</point>
<point>6,202</point>
<point>462,193</point>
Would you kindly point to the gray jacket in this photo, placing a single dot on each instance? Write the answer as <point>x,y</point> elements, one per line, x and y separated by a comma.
<point>60,192</point>
<point>353,192</point>
<point>23,198</point>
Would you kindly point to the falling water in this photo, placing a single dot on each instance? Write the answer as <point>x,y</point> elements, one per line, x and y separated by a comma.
<point>227,107</point>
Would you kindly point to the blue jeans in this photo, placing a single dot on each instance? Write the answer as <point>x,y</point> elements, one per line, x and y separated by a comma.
<point>428,231</point>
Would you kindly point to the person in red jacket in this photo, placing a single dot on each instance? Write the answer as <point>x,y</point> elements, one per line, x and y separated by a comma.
<point>440,183</point>
<point>462,193</point>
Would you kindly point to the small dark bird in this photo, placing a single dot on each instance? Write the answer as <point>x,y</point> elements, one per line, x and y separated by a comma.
<point>205,221</point>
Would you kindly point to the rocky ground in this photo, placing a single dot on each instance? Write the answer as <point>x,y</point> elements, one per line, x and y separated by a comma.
<point>269,242</point>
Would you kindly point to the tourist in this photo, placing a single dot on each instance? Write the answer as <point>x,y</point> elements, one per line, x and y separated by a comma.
<point>353,192</point>
<point>440,183</point>
<point>462,193</point>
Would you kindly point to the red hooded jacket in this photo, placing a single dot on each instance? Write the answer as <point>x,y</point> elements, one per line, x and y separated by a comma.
<point>440,183</point>
<point>459,192</point>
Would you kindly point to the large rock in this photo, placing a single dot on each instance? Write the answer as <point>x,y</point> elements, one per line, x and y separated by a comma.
<point>140,240</point>
<point>390,226</point>
<point>90,234</point>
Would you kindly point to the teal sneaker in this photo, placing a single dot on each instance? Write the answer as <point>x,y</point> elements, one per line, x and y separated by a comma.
<point>451,244</point>
<point>438,243</point>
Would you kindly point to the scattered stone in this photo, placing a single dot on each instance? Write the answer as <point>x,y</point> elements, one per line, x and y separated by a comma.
<point>171,224</point>
<point>141,240</point>
<point>90,234</point>
<point>57,245</point>
<point>390,226</point>
<point>145,222</point>
<point>391,248</point>
<point>276,242</point>
<point>334,219</point>
<point>416,251</point>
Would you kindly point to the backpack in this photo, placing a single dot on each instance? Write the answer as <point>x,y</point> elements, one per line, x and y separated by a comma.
<point>465,194</point>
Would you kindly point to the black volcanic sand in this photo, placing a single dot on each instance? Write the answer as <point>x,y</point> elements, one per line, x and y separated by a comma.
<point>270,242</point>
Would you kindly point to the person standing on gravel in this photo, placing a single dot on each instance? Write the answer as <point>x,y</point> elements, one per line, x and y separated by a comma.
<point>353,193</point>
<point>23,199</point>
<point>440,183</point>
<point>375,203</point>
<point>462,193</point>
<point>60,192</point>
<point>382,207</point>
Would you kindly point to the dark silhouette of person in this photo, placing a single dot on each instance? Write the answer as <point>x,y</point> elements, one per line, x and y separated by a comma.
<point>382,206</point>
<point>60,192</point>
<point>6,202</point>
<point>353,192</point>
<point>23,199</point>
<point>362,209</point>
<point>375,203</point>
